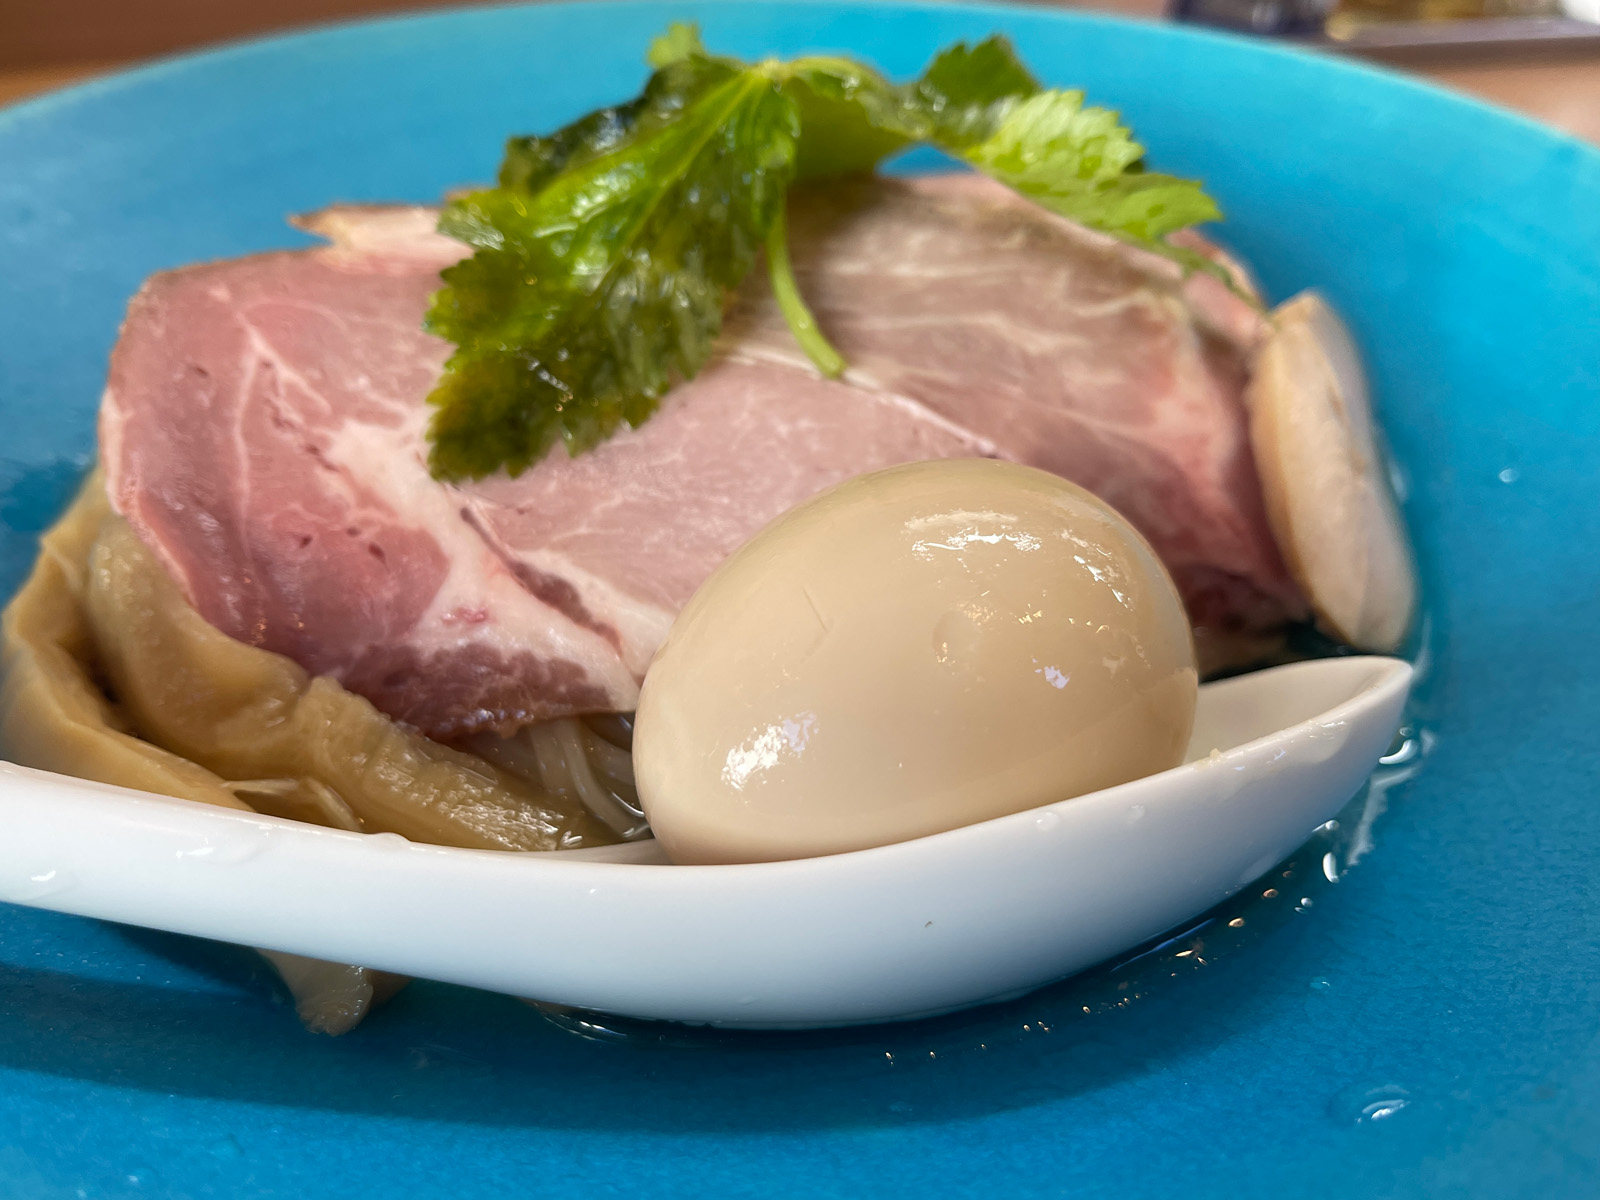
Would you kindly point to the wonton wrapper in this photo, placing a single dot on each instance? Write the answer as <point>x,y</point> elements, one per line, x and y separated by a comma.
<point>202,717</point>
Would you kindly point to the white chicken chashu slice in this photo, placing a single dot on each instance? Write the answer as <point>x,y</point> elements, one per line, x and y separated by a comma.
<point>1323,479</point>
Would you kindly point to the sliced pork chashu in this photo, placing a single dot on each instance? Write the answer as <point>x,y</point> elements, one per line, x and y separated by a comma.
<point>263,432</point>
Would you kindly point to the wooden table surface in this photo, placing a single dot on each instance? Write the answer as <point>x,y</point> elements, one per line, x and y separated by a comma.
<point>1564,93</point>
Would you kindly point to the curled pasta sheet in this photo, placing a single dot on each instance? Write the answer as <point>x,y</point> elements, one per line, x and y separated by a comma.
<point>108,674</point>
<point>570,759</point>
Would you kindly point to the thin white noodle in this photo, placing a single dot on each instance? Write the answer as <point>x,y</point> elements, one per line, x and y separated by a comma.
<point>615,763</point>
<point>514,754</point>
<point>614,728</point>
<point>552,759</point>
<point>568,759</point>
<point>599,800</point>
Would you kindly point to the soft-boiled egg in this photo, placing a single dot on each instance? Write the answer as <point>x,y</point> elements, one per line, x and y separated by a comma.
<point>911,651</point>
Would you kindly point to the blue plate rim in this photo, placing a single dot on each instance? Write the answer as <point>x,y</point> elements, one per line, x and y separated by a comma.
<point>164,66</point>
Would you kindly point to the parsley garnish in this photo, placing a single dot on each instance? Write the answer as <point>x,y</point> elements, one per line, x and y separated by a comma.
<point>606,251</point>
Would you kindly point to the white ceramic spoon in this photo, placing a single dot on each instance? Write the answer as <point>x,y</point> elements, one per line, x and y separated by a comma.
<point>924,926</point>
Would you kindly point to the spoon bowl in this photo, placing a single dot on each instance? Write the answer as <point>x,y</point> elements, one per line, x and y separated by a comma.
<point>912,929</point>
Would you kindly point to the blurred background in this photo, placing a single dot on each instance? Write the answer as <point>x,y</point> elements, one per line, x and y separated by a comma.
<point>1541,57</point>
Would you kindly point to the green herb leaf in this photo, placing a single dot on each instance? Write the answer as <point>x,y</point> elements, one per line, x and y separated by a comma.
<point>961,94</point>
<point>603,265</point>
<point>681,41</point>
<point>793,306</point>
<point>531,162</point>
<point>851,118</point>
<point>1081,162</point>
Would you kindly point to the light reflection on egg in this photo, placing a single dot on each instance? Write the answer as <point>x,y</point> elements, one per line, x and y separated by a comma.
<point>912,651</point>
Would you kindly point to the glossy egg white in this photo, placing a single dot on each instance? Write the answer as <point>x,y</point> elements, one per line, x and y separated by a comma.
<point>912,651</point>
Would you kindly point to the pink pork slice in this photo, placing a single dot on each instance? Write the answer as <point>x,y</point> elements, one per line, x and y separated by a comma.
<point>263,430</point>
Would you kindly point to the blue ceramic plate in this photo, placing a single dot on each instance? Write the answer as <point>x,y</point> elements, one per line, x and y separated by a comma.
<point>1429,1024</point>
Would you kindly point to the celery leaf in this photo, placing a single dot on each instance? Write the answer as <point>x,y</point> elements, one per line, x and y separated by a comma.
<point>1082,163</point>
<point>602,265</point>
<point>961,94</point>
